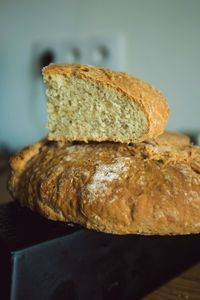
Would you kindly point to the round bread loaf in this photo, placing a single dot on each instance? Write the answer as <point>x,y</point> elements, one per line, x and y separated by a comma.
<point>143,188</point>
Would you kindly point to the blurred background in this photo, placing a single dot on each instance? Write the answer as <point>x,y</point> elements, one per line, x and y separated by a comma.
<point>156,40</point>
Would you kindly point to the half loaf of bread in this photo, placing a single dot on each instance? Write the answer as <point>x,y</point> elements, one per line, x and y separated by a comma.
<point>95,104</point>
<point>143,188</point>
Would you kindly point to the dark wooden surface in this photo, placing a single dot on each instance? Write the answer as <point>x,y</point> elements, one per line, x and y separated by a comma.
<point>186,286</point>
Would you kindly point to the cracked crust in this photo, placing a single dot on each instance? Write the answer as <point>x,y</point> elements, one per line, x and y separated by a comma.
<point>146,188</point>
<point>148,98</point>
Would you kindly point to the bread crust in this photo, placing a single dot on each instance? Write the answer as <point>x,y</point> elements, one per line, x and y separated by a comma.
<point>144,188</point>
<point>149,99</point>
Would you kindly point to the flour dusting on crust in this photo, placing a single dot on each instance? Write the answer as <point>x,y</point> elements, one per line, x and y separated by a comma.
<point>105,174</point>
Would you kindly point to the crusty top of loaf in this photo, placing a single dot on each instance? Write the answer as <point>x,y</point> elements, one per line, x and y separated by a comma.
<point>151,101</point>
<point>144,188</point>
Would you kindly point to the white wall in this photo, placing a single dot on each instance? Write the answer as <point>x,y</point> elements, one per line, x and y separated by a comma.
<point>163,48</point>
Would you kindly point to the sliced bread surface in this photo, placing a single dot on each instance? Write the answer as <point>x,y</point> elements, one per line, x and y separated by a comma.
<point>87,103</point>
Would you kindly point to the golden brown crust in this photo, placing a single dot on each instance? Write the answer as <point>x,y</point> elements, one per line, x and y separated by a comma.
<point>18,161</point>
<point>141,188</point>
<point>170,136</point>
<point>151,101</point>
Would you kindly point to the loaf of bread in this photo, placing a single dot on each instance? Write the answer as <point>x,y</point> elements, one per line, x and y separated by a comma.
<point>143,188</point>
<point>95,104</point>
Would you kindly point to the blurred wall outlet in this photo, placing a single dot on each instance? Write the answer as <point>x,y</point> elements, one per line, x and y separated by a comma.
<point>99,51</point>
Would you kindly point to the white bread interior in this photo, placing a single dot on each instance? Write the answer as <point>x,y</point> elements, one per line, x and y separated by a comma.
<point>81,109</point>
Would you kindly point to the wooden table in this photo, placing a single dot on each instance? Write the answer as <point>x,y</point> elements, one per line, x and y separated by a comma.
<point>186,286</point>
